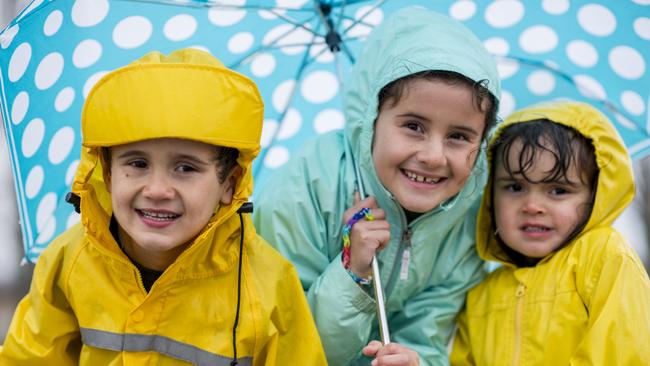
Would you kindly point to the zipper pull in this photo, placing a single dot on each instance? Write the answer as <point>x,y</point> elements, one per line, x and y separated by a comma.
<point>406,256</point>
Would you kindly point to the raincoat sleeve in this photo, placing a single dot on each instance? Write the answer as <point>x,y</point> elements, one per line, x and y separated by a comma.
<point>44,330</point>
<point>616,291</point>
<point>293,337</point>
<point>427,320</point>
<point>299,212</point>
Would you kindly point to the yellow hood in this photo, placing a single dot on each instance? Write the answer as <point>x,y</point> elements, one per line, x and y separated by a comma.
<point>615,186</point>
<point>188,94</point>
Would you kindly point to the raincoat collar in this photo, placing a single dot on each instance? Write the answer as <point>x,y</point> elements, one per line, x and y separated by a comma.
<point>411,41</point>
<point>615,185</point>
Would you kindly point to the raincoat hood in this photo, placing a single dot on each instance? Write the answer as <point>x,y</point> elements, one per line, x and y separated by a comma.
<point>410,41</point>
<point>615,185</point>
<point>188,95</point>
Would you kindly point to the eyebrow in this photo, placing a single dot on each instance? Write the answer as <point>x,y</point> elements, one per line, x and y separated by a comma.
<point>179,156</point>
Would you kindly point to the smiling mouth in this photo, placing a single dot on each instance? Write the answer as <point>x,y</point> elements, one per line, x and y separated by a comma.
<point>157,215</point>
<point>535,229</point>
<point>420,178</point>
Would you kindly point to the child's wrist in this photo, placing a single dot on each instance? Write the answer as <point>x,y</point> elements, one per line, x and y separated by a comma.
<point>359,280</point>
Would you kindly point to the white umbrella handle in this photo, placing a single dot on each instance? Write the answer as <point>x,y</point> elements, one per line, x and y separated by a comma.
<point>376,279</point>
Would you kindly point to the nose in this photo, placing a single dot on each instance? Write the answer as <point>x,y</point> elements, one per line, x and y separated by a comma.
<point>432,154</point>
<point>158,186</point>
<point>532,205</point>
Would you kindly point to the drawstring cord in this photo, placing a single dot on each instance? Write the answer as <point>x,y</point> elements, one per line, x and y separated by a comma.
<point>234,327</point>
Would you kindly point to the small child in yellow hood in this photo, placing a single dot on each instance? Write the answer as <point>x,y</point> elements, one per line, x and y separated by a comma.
<point>165,267</point>
<point>570,289</point>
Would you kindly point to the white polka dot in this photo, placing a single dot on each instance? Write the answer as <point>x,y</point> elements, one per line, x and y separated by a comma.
<point>92,80</point>
<point>86,53</point>
<point>45,210</point>
<point>497,46</point>
<point>32,137</point>
<point>48,231</point>
<point>64,99</point>
<point>19,107</point>
<point>72,170</point>
<point>240,42</point>
<point>597,20</point>
<point>53,23</point>
<point>504,13</point>
<point>49,71</point>
<point>538,39</point>
<point>34,181</point>
<point>226,16</point>
<point>268,132</point>
<point>276,157</point>
<point>590,87</point>
<point>507,68</point>
<point>328,120</point>
<point>642,27</point>
<point>625,122</point>
<point>555,7</point>
<point>295,38</point>
<point>263,65</point>
<point>582,53</point>
<point>132,32</point>
<point>632,102</point>
<point>369,14</point>
<point>462,10</point>
<point>507,104</point>
<point>87,13</point>
<point>29,9</point>
<point>73,220</point>
<point>355,31</point>
<point>322,53</point>
<point>268,15</point>
<point>319,87</point>
<point>19,61</point>
<point>61,145</point>
<point>291,4</point>
<point>540,82</point>
<point>8,36</point>
<point>282,93</point>
<point>290,124</point>
<point>642,2</point>
<point>627,62</point>
<point>180,27</point>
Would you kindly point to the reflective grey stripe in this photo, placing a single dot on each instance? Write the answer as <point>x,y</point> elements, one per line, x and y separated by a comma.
<point>163,345</point>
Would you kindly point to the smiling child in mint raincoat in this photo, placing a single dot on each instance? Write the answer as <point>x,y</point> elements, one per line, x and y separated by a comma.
<point>418,105</point>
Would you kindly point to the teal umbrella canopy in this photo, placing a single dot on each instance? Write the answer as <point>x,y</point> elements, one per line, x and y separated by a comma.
<point>299,52</point>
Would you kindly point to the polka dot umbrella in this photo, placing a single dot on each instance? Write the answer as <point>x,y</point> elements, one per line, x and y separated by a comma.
<point>298,51</point>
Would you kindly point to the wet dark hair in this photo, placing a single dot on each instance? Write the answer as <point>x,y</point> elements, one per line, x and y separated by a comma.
<point>226,159</point>
<point>568,146</point>
<point>484,101</point>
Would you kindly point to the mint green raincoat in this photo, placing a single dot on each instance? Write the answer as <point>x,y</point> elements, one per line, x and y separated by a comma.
<point>300,209</point>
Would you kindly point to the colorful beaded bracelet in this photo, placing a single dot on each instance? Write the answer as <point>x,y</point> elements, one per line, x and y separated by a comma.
<point>361,214</point>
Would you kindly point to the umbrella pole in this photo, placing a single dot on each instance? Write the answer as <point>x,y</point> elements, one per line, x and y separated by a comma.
<point>376,279</point>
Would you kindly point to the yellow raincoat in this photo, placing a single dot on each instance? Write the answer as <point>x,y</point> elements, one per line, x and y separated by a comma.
<point>587,303</point>
<point>87,304</point>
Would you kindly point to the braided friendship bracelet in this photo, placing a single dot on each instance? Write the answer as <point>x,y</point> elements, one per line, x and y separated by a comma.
<point>361,214</point>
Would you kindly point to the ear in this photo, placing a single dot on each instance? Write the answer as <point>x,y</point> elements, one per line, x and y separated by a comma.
<point>229,185</point>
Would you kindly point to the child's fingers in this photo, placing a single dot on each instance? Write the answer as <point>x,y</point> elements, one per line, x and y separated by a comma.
<point>395,354</point>
<point>371,348</point>
<point>369,202</point>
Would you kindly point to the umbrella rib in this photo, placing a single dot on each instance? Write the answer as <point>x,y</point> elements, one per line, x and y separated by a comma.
<point>357,21</point>
<point>303,65</point>
<point>608,104</point>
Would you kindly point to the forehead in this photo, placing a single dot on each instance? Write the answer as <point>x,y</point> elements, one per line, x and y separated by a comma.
<point>167,146</point>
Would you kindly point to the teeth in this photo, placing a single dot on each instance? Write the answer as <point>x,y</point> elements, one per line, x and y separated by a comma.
<point>421,179</point>
<point>158,215</point>
<point>535,229</point>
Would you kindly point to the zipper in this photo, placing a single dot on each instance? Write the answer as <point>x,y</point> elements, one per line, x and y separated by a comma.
<point>521,291</point>
<point>404,247</point>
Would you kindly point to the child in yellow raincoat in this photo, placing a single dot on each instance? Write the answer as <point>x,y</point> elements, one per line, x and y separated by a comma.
<point>164,268</point>
<point>570,290</point>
